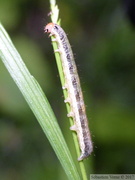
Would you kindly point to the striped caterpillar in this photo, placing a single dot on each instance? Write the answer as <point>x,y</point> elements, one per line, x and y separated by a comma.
<point>72,84</point>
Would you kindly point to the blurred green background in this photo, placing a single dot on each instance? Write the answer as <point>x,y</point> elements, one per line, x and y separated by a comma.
<point>103,40</point>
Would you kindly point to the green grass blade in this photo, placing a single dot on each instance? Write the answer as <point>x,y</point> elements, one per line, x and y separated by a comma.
<point>37,101</point>
<point>55,19</point>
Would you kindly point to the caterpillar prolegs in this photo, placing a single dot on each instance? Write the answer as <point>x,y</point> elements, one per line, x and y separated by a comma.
<point>72,84</point>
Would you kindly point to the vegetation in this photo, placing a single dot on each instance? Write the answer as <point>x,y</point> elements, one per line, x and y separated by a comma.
<point>102,39</point>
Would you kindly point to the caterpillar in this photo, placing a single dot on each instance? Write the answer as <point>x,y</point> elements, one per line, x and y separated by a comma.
<point>72,84</point>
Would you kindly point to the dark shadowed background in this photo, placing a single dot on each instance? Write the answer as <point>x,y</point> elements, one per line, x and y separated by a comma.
<point>102,35</point>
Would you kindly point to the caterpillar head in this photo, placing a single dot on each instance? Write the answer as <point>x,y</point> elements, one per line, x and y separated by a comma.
<point>49,27</point>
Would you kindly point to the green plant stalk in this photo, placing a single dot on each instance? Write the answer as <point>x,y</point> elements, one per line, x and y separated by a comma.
<point>37,101</point>
<point>54,18</point>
